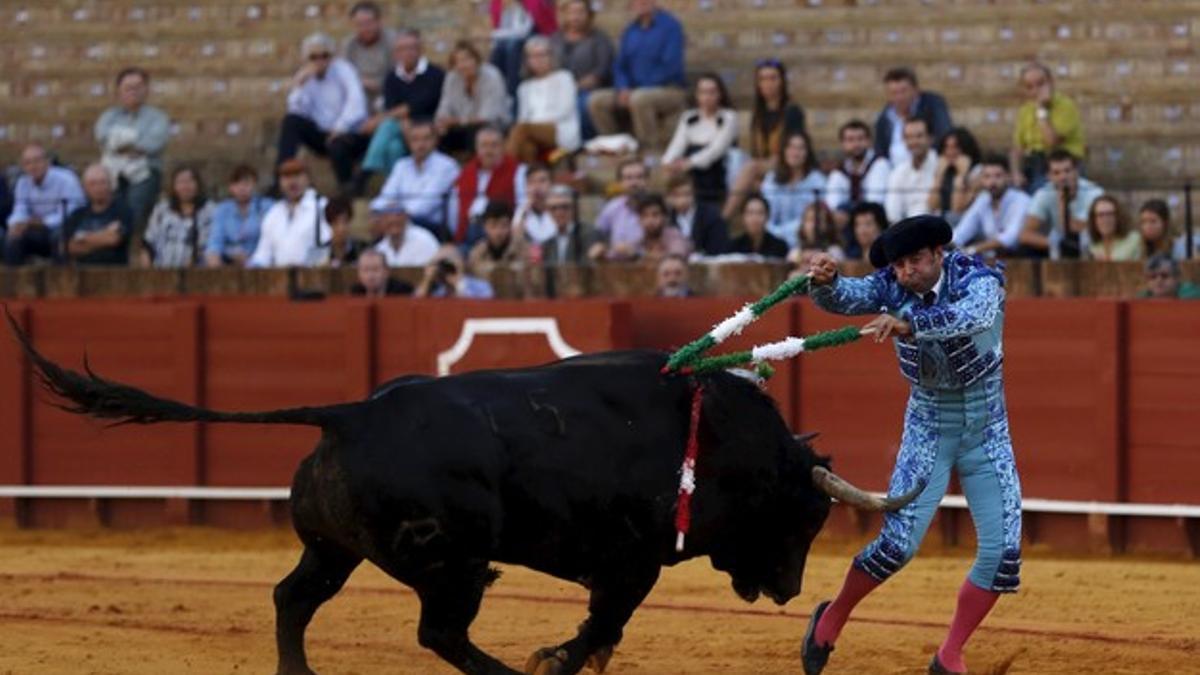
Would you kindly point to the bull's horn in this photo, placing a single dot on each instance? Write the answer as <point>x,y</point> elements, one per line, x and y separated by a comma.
<point>834,486</point>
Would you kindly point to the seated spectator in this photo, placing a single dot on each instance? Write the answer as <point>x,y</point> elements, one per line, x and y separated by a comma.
<point>374,278</point>
<point>907,102</point>
<point>422,182</point>
<point>533,221</point>
<point>671,278</point>
<point>587,53</point>
<point>700,222</point>
<point>445,278</point>
<point>992,224</point>
<point>1155,226</point>
<point>513,22</point>
<point>618,228</point>
<point>237,221</point>
<point>411,92</point>
<point>295,226</point>
<point>499,247</point>
<point>45,194</point>
<point>869,221</point>
<point>648,78</point>
<point>659,238</point>
<point>792,186</point>
<point>912,180</point>
<point>956,177</point>
<point>97,233</point>
<point>1108,229</point>
<point>179,225</point>
<point>569,245</point>
<point>1045,233</point>
<point>1164,280</point>
<point>1046,121</point>
<point>344,249</point>
<point>818,234</point>
<point>401,245</point>
<point>491,176</point>
<point>132,136</point>
<point>774,120</point>
<point>755,239</point>
<point>473,95</point>
<point>861,175</point>
<point>325,111</point>
<point>547,123</point>
<point>369,48</point>
<point>703,138</point>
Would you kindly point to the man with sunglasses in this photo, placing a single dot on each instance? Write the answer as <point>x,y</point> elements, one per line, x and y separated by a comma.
<point>1164,280</point>
<point>325,108</point>
<point>945,312</point>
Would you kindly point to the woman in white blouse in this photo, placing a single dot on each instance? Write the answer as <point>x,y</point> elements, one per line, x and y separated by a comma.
<point>546,117</point>
<point>703,138</point>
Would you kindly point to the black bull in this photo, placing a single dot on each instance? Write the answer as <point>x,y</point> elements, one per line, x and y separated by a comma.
<point>571,469</point>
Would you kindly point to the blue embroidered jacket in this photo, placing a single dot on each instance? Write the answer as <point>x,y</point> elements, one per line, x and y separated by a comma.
<point>956,341</point>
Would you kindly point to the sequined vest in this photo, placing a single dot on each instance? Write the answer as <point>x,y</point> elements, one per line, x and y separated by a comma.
<point>949,363</point>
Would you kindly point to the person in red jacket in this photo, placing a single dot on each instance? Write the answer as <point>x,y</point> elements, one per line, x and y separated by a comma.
<point>491,176</point>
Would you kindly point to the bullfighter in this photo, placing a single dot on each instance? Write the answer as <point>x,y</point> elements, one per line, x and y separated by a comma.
<point>945,313</point>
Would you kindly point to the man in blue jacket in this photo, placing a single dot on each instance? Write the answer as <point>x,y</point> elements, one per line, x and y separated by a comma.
<point>906,101</point>
<point>648,80</point>
<point>945,312</point>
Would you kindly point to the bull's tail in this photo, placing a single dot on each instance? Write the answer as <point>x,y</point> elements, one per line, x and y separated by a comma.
<point>92,395</point>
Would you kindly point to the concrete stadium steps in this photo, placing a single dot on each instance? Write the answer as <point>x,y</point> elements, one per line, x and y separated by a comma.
<point>220,67</point>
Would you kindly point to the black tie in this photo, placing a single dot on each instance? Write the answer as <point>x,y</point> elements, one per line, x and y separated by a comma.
<point>929,298</point>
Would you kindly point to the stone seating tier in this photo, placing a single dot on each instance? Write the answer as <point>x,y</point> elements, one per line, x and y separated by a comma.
<point>220,68</point>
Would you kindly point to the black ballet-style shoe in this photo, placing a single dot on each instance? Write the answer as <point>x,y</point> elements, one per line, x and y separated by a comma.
<point>812,655</point>
<point>936,667</point>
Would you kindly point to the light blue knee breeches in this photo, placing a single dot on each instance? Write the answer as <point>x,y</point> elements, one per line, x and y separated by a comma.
<point>966,431</point>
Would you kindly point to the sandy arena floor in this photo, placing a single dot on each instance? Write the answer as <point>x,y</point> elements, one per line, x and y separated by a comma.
<point>199,601</point>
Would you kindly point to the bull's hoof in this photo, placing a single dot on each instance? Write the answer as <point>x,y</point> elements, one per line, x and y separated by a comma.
<point>599,659</point>
<point>547,661</point>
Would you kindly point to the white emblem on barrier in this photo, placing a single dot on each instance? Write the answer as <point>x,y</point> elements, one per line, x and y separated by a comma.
<point>547,326</point>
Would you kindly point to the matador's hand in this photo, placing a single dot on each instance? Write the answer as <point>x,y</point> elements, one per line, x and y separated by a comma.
<point>885,326</point>
<point>822,269</point>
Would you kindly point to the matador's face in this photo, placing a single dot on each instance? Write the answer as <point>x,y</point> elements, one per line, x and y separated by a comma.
<point>919,271</point>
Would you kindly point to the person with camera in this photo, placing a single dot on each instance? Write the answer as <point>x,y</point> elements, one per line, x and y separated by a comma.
<point>445,278</point>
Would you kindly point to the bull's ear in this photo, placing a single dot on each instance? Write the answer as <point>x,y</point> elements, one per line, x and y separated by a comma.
<point>805,438</point>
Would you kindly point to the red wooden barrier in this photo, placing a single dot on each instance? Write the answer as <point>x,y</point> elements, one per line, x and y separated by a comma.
<point>854,398</point>
<point>15,448</point>
<point>1162,407</point>
<point>147,344</point>
<point>241,354</point>
<point>412,333</point>
<point>1101,394</point>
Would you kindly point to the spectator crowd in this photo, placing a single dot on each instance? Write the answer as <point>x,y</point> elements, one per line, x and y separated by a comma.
<point>468,167</point>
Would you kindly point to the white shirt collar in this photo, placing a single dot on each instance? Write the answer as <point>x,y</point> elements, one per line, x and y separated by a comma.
<point>403,74</point>
<point>937,288</point>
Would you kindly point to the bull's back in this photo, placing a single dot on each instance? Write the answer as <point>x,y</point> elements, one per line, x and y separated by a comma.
<point>583,453</point>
